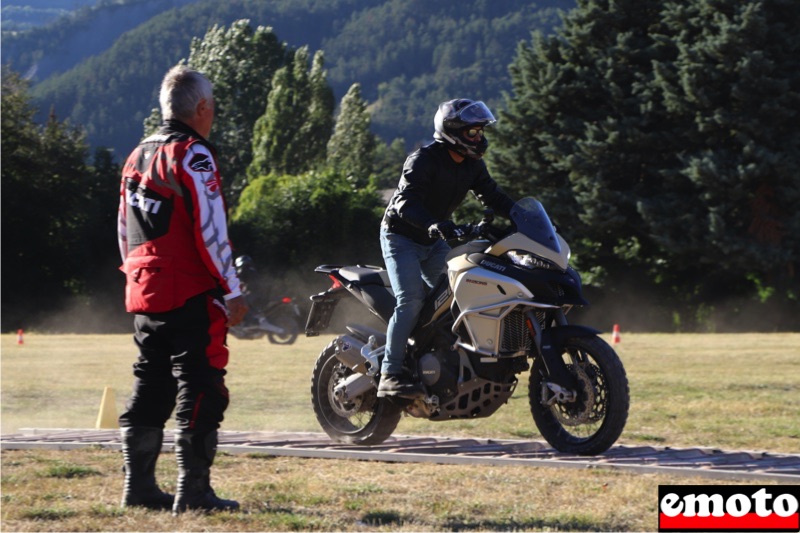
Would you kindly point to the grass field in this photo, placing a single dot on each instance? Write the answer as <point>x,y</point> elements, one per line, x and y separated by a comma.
<point>724,391</point>
<point>727,391</point>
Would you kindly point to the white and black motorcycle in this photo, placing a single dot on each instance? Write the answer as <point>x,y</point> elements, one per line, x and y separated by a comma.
<point>500,310</point>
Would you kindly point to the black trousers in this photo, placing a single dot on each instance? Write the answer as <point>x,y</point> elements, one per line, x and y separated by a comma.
<point>182,359</point>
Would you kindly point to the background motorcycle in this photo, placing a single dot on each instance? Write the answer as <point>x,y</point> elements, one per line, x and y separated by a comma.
<point>502,304</point>
<point>280,319</point>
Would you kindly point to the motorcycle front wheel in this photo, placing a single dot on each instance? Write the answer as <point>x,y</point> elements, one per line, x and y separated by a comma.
<point>593,422</point>
<point>364,420</point>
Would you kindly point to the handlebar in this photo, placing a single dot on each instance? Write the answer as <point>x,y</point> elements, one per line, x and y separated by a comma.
<point>479,230</point>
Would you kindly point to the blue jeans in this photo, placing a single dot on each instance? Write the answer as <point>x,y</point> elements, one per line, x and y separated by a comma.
<point>410,266</point>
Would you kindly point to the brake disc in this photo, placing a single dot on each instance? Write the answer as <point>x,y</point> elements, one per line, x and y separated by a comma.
<point>579,412</point>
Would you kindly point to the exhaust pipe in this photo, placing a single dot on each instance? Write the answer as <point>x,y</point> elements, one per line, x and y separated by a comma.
<point>357,356</point>
<point>353,387</point>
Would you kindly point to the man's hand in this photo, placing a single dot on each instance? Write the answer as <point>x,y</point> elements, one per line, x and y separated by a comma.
<point>237,308</point>
<point>445,230</point>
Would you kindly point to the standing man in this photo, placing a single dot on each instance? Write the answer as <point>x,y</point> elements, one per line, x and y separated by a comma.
<point>435,180</point>
<point>183,290</point>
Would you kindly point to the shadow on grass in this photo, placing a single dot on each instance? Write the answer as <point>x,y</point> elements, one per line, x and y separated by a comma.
<point>574,523</point>
<point>381,518</point>
<point>564,523</point>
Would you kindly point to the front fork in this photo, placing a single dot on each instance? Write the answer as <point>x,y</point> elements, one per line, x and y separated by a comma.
<point>549,344</point>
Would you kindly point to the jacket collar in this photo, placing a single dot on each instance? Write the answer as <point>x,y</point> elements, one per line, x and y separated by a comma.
<point>173,126</point>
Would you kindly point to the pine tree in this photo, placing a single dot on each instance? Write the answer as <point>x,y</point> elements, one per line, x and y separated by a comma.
<point>663,137</point>
<point>575,129</point>
<point>48,206</point>
<point>735,85</point>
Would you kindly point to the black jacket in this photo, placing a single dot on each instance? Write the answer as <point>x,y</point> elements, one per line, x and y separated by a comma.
<point>432,186</point>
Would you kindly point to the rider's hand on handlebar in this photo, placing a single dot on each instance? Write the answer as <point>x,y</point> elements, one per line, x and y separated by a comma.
<point>448,230</point>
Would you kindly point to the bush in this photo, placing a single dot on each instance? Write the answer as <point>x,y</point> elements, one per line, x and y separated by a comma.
<point>289,222</point>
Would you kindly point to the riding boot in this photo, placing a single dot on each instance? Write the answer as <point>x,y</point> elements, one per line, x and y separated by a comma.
<point>140,449</point>
<point>195,454</point>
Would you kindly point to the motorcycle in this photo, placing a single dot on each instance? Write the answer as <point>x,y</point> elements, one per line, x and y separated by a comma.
<point>500,310</point>
<point>280,320</point>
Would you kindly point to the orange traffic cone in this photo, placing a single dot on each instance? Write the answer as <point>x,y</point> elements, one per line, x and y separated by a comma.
<point>20,339</point>
<point>615,339</point>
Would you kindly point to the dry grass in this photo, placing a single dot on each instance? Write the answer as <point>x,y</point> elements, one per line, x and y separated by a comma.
<point>724,391</point>
<point>735,391</point>
<point>79,491</point>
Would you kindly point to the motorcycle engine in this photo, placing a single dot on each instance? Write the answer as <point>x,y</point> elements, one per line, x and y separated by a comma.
<point>439,370</point>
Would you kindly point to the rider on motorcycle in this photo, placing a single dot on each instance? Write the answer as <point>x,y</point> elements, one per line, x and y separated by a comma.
<point>253,290</point>
<point>416,224</point>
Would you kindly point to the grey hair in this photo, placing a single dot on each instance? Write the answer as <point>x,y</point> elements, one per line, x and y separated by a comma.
<point>181,91</point>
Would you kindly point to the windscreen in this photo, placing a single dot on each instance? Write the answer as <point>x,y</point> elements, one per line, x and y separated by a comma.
<point>532,221</point>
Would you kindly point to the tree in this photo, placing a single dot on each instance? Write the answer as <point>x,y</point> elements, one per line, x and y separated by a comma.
<point>52,208</point>
<point>389,160</point>
<point>290,137</point>
<point>351,148</point>
<point>240,62</point>
<point>735,84</point>
<point>275,129</point>
<point>651,129</point>
<point>318,127</point>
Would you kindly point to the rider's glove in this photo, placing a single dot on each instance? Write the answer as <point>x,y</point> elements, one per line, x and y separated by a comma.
<point>445,230</point>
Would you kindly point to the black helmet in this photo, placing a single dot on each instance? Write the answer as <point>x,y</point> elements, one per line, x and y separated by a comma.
<point>244,263</point>
<point>454,118</point>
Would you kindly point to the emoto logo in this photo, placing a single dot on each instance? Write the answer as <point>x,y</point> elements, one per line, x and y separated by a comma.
<point>728,508</point>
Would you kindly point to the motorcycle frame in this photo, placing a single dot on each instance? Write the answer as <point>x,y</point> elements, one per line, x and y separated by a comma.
<point>547,340</point>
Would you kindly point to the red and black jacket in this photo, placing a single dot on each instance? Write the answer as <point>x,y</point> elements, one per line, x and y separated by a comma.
<point>172,224</point>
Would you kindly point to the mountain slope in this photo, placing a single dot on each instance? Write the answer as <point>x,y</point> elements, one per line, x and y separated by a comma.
<point>59,46</point>
<point>407,54</point>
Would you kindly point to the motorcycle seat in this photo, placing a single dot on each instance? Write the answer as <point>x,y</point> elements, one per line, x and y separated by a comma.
<point>366,275</point>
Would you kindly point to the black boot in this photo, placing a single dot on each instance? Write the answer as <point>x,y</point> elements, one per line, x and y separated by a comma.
<point>140,448</point>
<point>195,453</point>
<point>400,386</point>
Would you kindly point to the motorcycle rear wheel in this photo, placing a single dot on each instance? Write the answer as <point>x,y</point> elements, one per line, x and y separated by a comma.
<point>366,420</point>
<point>289,326</point>
<point>593,423</point>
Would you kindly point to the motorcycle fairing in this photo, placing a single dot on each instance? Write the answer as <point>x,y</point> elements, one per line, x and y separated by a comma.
<point>437,301</point>
<point>551,287</point>
<point>534,233</point>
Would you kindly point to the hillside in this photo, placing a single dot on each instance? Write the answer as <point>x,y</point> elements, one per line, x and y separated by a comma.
<point>101,70</point>
<point>21,15</point>
<point>56,47</point>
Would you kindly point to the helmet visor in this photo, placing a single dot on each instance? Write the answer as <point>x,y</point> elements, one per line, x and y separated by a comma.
<point>476,113</point>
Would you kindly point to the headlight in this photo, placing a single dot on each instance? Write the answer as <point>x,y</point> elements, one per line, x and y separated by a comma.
<point>529,261</point>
